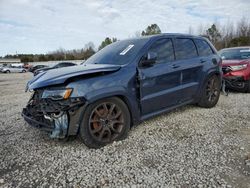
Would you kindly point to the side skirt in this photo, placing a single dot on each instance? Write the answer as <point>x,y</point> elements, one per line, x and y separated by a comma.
<point>147,116</point>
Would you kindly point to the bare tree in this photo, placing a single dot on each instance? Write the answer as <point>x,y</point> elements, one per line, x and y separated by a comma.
<point>243,27</point>
<point>190,30</point>
<point>227,33</point>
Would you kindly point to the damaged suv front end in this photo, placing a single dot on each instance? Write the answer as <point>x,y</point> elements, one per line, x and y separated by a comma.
<point>54,111</point>
<point>57,102</point>
<point>236,68</point>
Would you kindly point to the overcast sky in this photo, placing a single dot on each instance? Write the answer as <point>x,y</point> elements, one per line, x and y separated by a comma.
<point>30,26</point>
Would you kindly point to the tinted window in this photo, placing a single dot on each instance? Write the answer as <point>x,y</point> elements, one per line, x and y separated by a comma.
<point>63,65</point>
<point>185,49</point>
<point>118,53</point>
<point>164,50</point>
<point>203,47</point>
<point>68,64</point>
<point>235,53</point>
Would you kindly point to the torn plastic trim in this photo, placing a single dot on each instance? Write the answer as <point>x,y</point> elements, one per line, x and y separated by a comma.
<point>61,126</point>
<point>236,82</point>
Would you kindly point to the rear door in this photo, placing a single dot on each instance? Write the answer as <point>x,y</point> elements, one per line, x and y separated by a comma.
<point>160,83</point>
<point>13,69</point>
<point>190,65</point>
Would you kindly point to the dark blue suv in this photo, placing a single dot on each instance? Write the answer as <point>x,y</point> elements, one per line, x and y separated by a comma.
<point>123,84</point>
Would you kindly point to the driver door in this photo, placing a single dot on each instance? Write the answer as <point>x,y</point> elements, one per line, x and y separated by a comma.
<point>160,82</point>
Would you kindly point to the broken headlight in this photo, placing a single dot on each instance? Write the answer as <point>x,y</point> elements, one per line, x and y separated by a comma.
<point>238,67</point>
<point>58,94</point>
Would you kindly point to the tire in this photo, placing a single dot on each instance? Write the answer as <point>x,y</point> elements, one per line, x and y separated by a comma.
<point>23,71</point>
<point>210,92</point>
<point>105,121</point>
<point>247,86</point>
<point>7,71</point>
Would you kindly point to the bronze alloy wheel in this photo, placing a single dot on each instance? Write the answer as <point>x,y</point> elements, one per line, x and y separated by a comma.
<point>213,89</point>
<point>210,92</point>
<point>106,122</point>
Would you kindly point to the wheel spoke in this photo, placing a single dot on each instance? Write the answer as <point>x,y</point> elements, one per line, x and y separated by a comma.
<point>101,134</point>
<point>112,126</point>
<point>116,115</point>
<point>111,109</point>
<point>98,113</point>
<point>116,121</point>
<point>97,130</point>
<point>95,121</point>
<point>109,135</point>
<point>105,108</point>
<point>210,96</point>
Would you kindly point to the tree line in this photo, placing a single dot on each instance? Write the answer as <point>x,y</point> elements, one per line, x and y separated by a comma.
<point>222,36</point>
<point>227,35</point>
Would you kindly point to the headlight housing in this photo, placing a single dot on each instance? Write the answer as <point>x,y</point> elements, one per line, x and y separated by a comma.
<point>57,94</point>
<point>238,67</point>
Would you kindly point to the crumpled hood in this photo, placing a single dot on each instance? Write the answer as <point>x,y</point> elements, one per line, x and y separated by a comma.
<point>59,76</point>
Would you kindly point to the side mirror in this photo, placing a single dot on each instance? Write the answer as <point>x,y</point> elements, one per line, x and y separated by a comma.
<point>151,59</point>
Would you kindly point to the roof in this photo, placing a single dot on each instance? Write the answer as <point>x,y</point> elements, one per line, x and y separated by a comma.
<point>173,35</point>
<point>238,47</point>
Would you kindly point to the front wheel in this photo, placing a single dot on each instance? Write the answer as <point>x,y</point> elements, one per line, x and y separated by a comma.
<point>210,92</point>
<point>105,121</point>
<point>247,86</point>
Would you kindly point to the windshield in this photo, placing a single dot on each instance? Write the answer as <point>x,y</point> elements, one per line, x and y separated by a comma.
<point>235,54</point>
<point>118,53</point>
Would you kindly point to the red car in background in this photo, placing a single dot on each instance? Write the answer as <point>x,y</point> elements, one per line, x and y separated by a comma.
<point>236,68</point>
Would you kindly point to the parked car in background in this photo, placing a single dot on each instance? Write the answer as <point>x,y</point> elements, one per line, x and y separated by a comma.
<point>59,65</point>
<point>12,69</point>
<point>34,68</point>
<point>82,62</point>
<point>124,83</point>
<point>236,67</point>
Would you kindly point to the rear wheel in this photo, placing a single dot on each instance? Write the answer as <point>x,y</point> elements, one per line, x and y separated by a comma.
<point>105,121</point>
<point>210,92</point>
<point>247,86</point>
<point>23,71</point>
<point>7,71</point>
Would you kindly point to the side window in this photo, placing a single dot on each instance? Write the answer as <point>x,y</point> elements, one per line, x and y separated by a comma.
<point>185,48</point>
<point>60,65</point>
<point>67,64</point>
<point>203,47</point>
<point>164,50</point>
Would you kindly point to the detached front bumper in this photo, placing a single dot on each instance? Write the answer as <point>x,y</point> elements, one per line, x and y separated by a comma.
<point>41,124</point>
<point>60,118</point>
<point>235,82</point>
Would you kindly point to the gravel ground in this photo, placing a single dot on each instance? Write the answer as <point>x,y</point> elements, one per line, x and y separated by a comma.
<point>189,147</point>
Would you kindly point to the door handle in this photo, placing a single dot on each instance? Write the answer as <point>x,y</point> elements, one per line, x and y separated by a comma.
<point>174,66</point>
<point>202,60</point>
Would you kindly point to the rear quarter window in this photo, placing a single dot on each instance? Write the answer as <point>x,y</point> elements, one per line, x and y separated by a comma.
<point>185,48</point>
<point>203,47</point>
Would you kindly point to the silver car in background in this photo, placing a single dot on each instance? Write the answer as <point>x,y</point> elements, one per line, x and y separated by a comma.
<point>12,69</point>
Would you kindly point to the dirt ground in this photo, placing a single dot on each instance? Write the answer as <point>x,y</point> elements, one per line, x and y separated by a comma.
<point>188,147</point>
